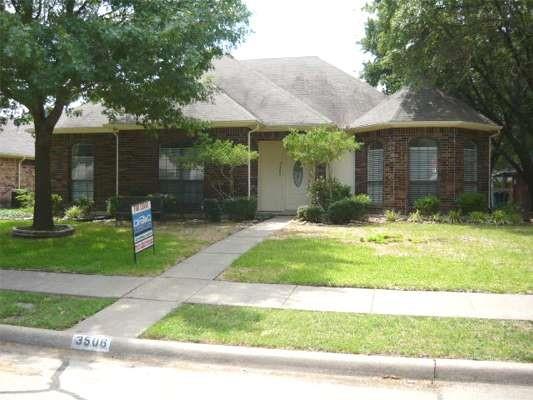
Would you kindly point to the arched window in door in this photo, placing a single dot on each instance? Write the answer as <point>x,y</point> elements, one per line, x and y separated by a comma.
<point>374,165</point>
<point>423,169</point>
<point>470,167</point>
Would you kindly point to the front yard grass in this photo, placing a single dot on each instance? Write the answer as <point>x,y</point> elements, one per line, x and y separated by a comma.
<point>398,255</point>
<point>102,248</point>
<point>349,333</point>
<point>47,311</point>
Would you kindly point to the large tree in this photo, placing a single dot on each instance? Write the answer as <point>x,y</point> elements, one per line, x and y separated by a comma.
<point>141,57</point>
<point>478,50</point>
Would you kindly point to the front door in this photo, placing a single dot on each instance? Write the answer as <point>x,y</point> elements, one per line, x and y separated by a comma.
<point>282,181</point>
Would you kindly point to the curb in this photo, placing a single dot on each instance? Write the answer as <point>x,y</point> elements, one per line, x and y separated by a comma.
<point>289,360</point>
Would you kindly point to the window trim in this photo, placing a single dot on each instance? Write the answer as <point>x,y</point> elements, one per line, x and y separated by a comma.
<point>72,180</point>
<point>423,142</point>
<point>375,145</point>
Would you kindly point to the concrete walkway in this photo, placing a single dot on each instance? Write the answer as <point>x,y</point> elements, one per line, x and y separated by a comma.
<point>143,301</point>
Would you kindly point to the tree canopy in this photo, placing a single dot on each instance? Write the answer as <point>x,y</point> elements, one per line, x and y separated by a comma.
<point>478,50</point>
<point>319,146</point>
<point>145,58</point>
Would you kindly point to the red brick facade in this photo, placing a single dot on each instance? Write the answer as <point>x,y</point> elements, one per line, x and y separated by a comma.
<point>9,177</point>
<point>139,161</point>
<point>396,162</point>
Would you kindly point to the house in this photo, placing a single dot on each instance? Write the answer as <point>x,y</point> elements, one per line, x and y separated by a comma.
<point>416,142</point>
<point>17,152</point>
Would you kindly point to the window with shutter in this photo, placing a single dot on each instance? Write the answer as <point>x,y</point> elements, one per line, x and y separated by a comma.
<point>470,167</point>
<point>82,172</point>
<point>375,172</point>
<point>423,169</point>
<point>186,184</point>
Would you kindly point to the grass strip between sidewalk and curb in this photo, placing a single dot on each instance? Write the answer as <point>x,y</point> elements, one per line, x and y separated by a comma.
<point>475,339</point>
<point>48,311</point>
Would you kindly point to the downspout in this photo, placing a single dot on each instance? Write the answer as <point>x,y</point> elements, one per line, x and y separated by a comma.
<point>116,161</point>
<point>20,172</point>
<point>250,160</point>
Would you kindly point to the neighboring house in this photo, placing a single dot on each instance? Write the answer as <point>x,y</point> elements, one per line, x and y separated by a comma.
<point>17,149</point>
<point>415,142</point>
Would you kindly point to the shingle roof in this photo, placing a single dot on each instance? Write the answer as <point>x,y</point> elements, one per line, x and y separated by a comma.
<point>91,116</point>
<point>16,141</point>
<point>221,108</point>
<point>424,104</point>
<point>271,104</point>
<point>328,90</point>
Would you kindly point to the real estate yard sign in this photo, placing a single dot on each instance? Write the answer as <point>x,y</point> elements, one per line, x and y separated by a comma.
<point>142,228</point>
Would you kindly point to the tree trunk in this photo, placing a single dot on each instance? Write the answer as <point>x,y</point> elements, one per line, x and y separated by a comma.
<point>42,213</point>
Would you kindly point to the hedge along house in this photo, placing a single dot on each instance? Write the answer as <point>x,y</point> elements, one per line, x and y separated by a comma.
<point>257,103</point>
<point>17,166</point>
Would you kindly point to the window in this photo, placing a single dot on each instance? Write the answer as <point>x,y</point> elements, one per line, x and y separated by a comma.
<point>423,170</point>
<point>374,167</point>
<point>186,184</point>
<point>470,167</point>
<point>82,173</point>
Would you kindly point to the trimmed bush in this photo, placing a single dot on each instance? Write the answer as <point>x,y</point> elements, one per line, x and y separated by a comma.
<point>212,210</point>
<point>240,208</point>
<point>360,204</point>
<point>470,202</point>
<point>324,192</point>
<point>310,213</point>
<point>427,205</point>
<point>341,212</point>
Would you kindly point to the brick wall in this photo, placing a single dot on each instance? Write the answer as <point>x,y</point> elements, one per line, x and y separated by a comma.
<point>396,162</point>
<point>9,177</point>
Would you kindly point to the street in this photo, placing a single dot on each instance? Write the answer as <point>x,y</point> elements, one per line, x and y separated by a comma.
<point>30,373</point>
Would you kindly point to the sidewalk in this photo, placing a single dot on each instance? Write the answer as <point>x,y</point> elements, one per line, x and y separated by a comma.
<point>143,301</point>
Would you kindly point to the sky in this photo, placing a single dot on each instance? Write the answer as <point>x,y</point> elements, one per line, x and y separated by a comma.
<point>329,29</point>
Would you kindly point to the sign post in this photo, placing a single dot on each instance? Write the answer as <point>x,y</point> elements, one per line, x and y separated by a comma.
<point>142,228</point>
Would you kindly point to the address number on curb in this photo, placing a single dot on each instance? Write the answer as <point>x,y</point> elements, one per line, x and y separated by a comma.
<point>91,343</point>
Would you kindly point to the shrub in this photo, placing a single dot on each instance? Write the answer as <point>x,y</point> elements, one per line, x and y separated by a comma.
<point>310,213</point>
<point>324,192</point>
<point>427,205</point>
<point>85,205</point>
<point>57,205</point>
<point>341,212</point>
<point>112,205</point>
<point>415,217</point>
<point>74,212</point>
<point>25,198</point>
<point>212,210</point>
<point>454,217</point>
<point>502,217</point>
<point>391,216</point>
<point>170,203</point>
<point>470,202</point>
<point>360,204</point>
<point>478,217</point>
<point>240,208</point>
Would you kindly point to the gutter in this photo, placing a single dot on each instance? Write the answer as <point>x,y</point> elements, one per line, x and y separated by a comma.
<point>249,159</point>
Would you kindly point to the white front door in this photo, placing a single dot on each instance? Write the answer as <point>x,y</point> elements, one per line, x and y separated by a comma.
<point>282,185</point>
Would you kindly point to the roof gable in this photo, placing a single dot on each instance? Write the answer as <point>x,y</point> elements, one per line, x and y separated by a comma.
<point>335,94</point>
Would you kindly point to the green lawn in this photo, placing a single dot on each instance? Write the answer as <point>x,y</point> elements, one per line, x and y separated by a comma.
<point>102,248</point>
<point>47,311</point>
<point>349,333</point>
<point>395,256</point>
<point>15,213</point>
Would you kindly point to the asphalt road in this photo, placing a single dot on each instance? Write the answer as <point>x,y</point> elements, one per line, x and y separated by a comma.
<point>31,373</point>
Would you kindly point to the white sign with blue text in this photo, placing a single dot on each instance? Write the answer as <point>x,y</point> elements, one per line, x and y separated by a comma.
<point>143,232</point>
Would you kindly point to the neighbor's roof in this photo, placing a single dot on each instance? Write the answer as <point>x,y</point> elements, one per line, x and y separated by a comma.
<point>422,107</point>
<point>16,141</point>
<point>335,94</point>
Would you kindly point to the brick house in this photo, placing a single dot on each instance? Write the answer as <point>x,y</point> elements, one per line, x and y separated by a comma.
<point>17,167</point>
<point>416,142</point>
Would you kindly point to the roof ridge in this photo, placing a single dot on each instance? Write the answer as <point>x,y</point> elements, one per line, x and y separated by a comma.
<point>317,113</point>
<point>399,108</point>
